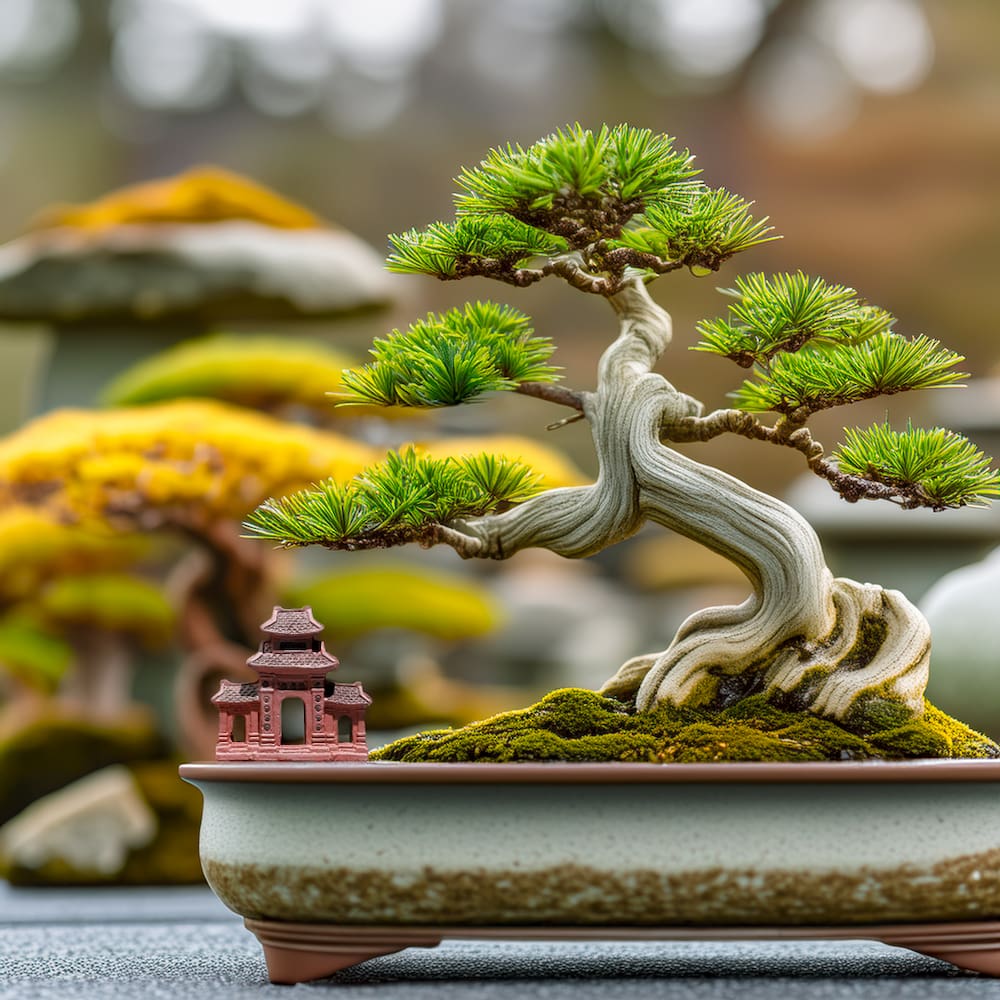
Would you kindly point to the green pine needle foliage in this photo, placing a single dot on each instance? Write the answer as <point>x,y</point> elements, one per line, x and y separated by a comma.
<point>452,358</point>
<point>621,167</point>
<point>587,193</point>
<point>817,378</point>
<point>937,467</point>
<point>699,227</point>
<point>393,502</point>
<point>451,249</point>
<point>784,312</point>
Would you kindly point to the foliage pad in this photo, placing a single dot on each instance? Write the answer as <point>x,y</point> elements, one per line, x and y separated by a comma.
<point>938,465</point>
<point>818,378</point>
<point>600,201</point>
<point>452,358</point>
<point>785,312</point>
<point>396,501</point>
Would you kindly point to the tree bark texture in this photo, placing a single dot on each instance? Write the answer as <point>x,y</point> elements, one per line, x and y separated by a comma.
<point>827,645</point>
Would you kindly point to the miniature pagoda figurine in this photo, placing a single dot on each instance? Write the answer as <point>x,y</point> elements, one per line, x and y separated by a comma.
<point>292,712</point>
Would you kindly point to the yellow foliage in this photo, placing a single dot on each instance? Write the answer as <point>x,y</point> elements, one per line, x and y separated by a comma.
<point>199,195</point>
<point>251,371</point>
<point>353,602</point>
<point>34,548</point>
<point>117,602</point>
<point>554,467</point>
<point>204,457</point>
<point>262,372</point>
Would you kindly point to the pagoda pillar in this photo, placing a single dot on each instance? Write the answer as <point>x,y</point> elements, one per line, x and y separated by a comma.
<point>269,722</point>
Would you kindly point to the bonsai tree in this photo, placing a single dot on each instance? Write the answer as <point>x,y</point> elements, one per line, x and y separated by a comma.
<point>608,212</point>
<point>74,604</point>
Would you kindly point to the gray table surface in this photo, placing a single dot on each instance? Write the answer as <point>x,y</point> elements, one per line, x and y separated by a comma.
<point>181,942</point>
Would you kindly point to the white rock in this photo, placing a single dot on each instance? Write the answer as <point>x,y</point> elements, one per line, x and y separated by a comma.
<point>91,824</point>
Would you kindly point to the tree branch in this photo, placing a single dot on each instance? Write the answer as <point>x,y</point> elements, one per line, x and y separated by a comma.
<point>553,393</point>
<point>790,432</point>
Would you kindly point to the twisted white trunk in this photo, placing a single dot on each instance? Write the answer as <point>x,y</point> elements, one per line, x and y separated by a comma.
<point>828,645</point>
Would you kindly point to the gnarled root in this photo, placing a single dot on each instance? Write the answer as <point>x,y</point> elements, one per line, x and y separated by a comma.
<point>629,677</point>
<point>878,648</point>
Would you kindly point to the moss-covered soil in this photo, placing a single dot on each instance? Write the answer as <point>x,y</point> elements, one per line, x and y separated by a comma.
<point>573,724</point>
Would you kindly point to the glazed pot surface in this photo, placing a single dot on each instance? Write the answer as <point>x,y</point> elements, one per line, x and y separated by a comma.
<point>607,844</point>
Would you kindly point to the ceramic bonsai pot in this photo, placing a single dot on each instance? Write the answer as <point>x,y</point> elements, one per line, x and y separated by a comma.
<point>334,863</point>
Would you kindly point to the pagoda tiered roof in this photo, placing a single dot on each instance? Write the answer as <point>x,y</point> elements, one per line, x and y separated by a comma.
<point>349,694</point>
<point>292,621</point>
<point>236,693</point>
<point>311,660</point>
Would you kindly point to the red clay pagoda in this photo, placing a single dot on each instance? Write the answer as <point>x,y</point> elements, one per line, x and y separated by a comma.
<point>292,712</point>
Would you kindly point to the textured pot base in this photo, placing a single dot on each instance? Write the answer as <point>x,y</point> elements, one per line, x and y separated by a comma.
<point>297,953</point>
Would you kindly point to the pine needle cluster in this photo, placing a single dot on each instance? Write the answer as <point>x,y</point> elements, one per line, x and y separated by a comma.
<point>813,345</point>
<point>783,313</point>
<point>616,169</point>
<point>470,245</point>
<point>929,467</point>
<point>610,200</point>
<point>818,378</point>
<point>452,358</point>
<point>393,502</point>
<point>700,228</point>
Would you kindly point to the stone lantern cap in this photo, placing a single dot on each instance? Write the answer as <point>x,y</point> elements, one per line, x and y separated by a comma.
<point>206,244</point>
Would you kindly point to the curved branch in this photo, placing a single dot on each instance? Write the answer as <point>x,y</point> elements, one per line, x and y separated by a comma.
<point>574,521</point>
<point>790,432</point>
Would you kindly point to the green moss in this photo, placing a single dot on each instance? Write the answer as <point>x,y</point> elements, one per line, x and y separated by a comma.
<point>575,724</point>
<point>48,753</point>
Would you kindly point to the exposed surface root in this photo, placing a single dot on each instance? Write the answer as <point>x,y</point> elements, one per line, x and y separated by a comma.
<point>877,650</point>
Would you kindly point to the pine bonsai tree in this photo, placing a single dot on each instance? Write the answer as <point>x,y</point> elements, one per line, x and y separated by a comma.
<point>609,211</point>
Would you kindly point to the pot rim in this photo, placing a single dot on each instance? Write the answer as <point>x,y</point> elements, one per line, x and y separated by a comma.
<point>564,772</point>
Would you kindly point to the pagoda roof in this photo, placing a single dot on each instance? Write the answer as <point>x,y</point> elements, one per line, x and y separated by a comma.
<point>349,694</point>
<point>310,660</point>
<point>292,621</point>
<point>236,693</point>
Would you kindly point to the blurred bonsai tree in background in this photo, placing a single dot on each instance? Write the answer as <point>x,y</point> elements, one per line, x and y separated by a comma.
<point>120,526</point>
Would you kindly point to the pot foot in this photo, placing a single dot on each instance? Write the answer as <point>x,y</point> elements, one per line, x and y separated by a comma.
<point>298,953</point>
<point>973,946</point>
<point>983,960</point>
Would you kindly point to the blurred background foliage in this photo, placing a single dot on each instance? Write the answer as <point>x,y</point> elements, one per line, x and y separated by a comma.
<point>867,130</point>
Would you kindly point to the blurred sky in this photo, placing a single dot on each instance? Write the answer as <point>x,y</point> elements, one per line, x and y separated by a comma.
<point>868,130</point>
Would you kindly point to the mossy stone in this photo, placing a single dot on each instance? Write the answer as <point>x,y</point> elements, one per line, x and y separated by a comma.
<point>171,858</point>
<point>576,725</point>
<point>48,752</point>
